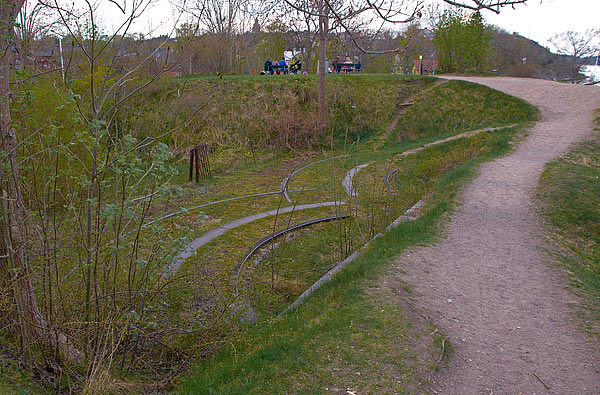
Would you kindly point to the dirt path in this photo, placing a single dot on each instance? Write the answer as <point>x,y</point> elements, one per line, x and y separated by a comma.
<point>489,286</point>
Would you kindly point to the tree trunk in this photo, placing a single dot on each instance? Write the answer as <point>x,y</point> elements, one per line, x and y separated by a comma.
<point>16,284</point>
<point>20,309</point>
<point>321,70</point>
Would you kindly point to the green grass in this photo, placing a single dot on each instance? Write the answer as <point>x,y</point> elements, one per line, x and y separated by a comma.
<point>269,111</point>
<point>569,196</point>
<point>349,335</point>
<point>458,106</point>
<point>299,263</point>
<point>319,342</point>
<point>14,379</point>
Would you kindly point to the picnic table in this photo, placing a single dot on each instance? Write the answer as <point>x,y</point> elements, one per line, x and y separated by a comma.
<point>278,68</point>
<point>346,67</point>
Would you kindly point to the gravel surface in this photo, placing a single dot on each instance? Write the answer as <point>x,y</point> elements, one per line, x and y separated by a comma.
<point>490,286</point>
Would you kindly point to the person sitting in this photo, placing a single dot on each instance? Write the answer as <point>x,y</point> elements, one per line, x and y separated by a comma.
<point>268,65</point>
<point>284,64</point>
<point>347,65</point>
<point>335,62</point>
<point>296,67</point>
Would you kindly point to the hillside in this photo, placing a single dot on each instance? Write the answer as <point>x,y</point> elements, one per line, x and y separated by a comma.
<point>315,340</point>
<point>181,307</point>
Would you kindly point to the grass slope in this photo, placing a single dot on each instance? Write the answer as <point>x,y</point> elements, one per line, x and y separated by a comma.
<point>569,196</point>
<point>348,335</point>
<point>458,106</point>
<point>355,328</point>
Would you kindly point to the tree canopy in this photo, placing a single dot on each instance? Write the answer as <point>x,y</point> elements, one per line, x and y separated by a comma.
<point>462,42</point>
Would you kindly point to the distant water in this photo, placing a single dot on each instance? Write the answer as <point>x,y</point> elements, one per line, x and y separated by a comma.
<point>592,72</point>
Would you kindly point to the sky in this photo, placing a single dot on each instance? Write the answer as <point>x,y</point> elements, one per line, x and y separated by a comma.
<point>537,19</point>
<point>539,22</point>
<point>158,18</point>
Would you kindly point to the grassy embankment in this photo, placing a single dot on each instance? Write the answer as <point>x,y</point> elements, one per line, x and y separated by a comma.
<point>258,128</point>
<point>351,334</point>
<point>569,196</point>
<point>286,273</point>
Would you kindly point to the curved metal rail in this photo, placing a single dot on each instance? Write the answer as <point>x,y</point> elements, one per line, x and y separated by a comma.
<point>269,238</point>
<point>188,209</point>
<point>191,248</point>
<point>409,215</point>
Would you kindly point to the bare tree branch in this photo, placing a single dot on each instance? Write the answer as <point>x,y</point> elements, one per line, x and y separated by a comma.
<point>492,5</point>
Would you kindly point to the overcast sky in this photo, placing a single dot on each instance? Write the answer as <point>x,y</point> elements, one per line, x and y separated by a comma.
<point>535,20</point>
<point>541,21</point>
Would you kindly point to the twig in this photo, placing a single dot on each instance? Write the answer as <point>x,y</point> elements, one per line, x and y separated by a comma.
<point>35,75</point>
<point>540,380</point>
<point>440,358</point>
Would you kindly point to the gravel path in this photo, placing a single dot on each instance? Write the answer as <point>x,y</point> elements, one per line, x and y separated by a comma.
<point>489,286</point>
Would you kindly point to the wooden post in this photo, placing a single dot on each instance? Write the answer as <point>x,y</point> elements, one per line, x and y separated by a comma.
<point>191,163</point>
<point>199,162</point>
<point>202,154</point>
<point>197,165</point>
<point>206,161</point>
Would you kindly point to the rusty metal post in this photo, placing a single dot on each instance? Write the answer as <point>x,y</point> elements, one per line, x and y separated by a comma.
<point>199,162</point>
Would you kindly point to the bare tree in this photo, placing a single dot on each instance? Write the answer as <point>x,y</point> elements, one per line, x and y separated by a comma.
<point>36,21</point>
<point>577,46</point>
<point>303,26</point>
<point>223,21</point>
<point>491,5</point>
<point>349,16</point>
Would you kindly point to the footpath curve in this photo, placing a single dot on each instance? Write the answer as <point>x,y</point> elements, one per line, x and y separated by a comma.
<point>489,285</point>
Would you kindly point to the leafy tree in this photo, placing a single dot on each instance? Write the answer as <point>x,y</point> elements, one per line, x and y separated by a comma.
<point>463,42</point>
<point>414,41</point>
<point>272,42</point>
